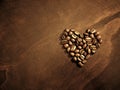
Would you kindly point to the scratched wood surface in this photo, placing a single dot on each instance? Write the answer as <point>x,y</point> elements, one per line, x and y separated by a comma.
<point>31,57</point>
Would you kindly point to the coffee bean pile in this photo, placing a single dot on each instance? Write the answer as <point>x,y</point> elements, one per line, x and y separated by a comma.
<point>80,46</point>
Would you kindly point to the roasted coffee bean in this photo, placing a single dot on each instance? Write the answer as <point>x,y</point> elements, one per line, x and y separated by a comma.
<point>64,42</point>
<point>73,40</point>
<point>63,37</point>
<point>97,45</point>
<point>77,50</point>
<point>81,43</point>
<point>77,33</point>
<point>79,47</point>
<point>88,39</point>
<point>82,57</point>
<point>87,48</point>
<point>72,30</point>
<point>70,33</point>
<point>84,61</point>
<point>66,45</point>
<point>92,35</point>
<point>84,46</point>
<point>94,41</point>
<point>84,41</point>
<point>88,30</point>
<point>79,59</point>
<point>93,51</point>
<point>97,33</point>
<point>75,58</point>
<point>82,52</point>
<point>86,34</point>
<point>92,47</point>
<point>68,49</point>
<point>70,43</point>
<point>88,56</point>
<point>93,31</point>
<point>73,47</point>
<point>79,39</point>
<point>89,51</point>
<point>67,30</point>
<point>100,41</point>
<point>72,53</point>
<point>80,64</point>
<point>77,54</point>
<point>65,33</point>
<point>85,53</point>
<point>98,37</point>
<point>74,36</point>
<point>68,38</point>
<point>81,35</point>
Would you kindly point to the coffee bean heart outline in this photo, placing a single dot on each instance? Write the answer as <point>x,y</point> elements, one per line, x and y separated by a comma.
<point>80,47</point>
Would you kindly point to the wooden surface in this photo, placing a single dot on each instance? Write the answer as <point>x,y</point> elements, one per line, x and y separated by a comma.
<point>31,57</point>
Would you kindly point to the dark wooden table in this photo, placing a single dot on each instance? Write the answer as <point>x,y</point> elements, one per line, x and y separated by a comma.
<point>31,57</point>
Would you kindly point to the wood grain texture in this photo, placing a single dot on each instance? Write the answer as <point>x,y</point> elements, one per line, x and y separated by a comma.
<point>31,57</point>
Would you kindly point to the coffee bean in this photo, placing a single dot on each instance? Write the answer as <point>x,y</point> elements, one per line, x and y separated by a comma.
<point>64,42</point>
<point>89,51</point>
<point>92,35</point>
<point>97,33</point>
<point>70,33</point>
<point>68,38</point>
<point>77,54</point>
<point>66,45</point>
<point>82,52</point>
<point>79,47</point>
<point>93,51</point>
<point>84,61</point>
<point>77,50</point>
<point>86,34</point>
<point>98,37</point>
<point>67,30</point>
<point>97,45</point>
<point>79,59</point>
<point>63,37</point>
<point>80,64</point>
<point>72,30</point>
<point>73,40</point>
<point>68,49</point>
<point>74,36</point>
<point>88,39</point>
<point>82,57</point>
<point>88,30</point>
<point>70,43</point>
<point>75,58</point>
<point>85,53</point>
<point>77,33</point>
<point>79,39</point>
<point>94,41</point>
<point>81,43</point>
<point>65,33</point>
<point>93,31</point>
<point>88,56</point>
<point>72,53</point>
<point>73,47</point>
<point>81,35</point>
<point>84,41</point>
<point>100,41</point>
<point>84,46</point>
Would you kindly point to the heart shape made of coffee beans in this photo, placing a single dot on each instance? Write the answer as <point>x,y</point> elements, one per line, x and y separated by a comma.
<point>80,46</point>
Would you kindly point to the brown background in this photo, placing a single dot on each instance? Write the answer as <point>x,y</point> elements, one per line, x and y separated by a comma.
<point>31,57</point>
